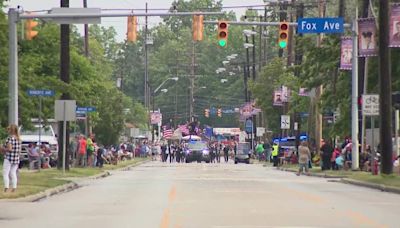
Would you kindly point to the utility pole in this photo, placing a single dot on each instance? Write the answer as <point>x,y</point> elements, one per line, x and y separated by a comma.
<point>146,80</point>
<point>385,93</point>
<point>246,98</point>
<point>191,117</point>
<point>64,75</point>
<point>319,89</point>
<point>86,28</point>
<point>254,117</point>
<point>86,43</point>
<point>363,81</point>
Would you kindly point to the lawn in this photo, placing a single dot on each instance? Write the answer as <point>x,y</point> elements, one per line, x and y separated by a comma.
<point>388,180</point>
<point>32,182</point>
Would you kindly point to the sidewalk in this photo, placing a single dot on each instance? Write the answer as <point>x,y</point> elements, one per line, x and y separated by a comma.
<point>386,183</point>
<point>34,186</point>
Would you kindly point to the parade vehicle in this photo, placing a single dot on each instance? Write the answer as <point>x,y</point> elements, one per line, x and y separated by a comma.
<point>243,153</point>
<point>197,151</point>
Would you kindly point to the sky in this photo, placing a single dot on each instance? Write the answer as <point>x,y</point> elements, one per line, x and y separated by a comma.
<point>120,23</point>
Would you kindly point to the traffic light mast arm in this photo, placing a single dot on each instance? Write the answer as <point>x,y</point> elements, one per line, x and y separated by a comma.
<point>346,25</point>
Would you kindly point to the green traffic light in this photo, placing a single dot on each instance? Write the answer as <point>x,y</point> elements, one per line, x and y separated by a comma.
<point>282,44</point>
<point>222,43</point>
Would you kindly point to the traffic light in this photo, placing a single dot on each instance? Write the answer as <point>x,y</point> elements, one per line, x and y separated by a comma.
<point>207,112</point>
<point>29,26</point>
<point>132,29</point>
<point>219,112</point>
<point>198,27</point>
<point>283,34</point>
<point>222,33</point>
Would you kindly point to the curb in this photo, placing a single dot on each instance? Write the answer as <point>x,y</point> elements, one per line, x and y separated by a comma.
<point>321,175</point>
<point>68,186</point>
<point>380,187</point>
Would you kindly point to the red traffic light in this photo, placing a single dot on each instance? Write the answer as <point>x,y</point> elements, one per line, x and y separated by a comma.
<point>222,25</point>
<point>284,26</point>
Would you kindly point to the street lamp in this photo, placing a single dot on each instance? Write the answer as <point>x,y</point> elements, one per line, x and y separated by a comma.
<point>173,78</point>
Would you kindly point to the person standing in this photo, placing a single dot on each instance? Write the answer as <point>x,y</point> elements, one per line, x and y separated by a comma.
<point>326,154</point>
<point>304,157</point>
<point>267,151</point>
<point>226,153</point>
<point>80,159</point>
<point>12,150</point>
<point>163,152</point>
<point>90,149</point>
<point>275,153</point>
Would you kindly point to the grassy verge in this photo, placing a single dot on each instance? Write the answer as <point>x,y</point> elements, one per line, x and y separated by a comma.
<point>388,180</point>
<point>30,183</point>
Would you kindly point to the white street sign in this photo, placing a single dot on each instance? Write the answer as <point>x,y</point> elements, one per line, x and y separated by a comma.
<point>370,104</point>
<point>285,122</point>
<point>260,131</point>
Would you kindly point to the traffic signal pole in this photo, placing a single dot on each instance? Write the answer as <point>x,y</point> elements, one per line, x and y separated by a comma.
<point>12,67</point>
<point>14,15</point>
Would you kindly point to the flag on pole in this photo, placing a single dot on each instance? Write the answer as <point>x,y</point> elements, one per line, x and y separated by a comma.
<point>184,129</point>
<point>167,132</point>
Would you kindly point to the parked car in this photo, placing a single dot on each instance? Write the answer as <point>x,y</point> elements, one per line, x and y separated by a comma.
<point>197,151</point>
<point>243,153</point>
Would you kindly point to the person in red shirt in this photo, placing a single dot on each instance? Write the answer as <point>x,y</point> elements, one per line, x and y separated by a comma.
<point>80,158</point>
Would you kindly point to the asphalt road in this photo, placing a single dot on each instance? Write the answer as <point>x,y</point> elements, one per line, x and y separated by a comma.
<point>207,195</point>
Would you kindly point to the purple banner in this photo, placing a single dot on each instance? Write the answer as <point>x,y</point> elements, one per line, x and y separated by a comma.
<point>394,38</point>
<point>278,98</point>
<point>346,52</point>
<point>303,92</point>
<point>367,37</point>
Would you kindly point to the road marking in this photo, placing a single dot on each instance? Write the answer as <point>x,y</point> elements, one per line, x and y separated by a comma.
<point>165,219</point>
<point>362,220</point>
<point>172,194</point>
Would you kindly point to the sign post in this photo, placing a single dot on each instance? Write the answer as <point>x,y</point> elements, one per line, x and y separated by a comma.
<point>370,107</point>
<point>285,122</point>
<point>65,110</point>
<point>40,93</point>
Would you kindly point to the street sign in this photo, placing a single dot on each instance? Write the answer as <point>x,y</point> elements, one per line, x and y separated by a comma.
<point>40,93</point>
<point>249,126</point>
<point>65,110</point>
<point>285,122</point>
<point>85,109</point>
<point>320,25</point>
<point>370,104</point>
<point>260,131</point>
<point>92,15</point>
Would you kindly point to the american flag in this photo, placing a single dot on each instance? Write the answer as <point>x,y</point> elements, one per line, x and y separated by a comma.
<point>167,132</point>
<point>184,129</point>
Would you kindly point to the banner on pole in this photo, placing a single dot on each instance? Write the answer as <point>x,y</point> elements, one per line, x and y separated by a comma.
<point>367,37</point>
<point>285,94</point>
<point>155,117</point>
<point>278,98</point>
<point>304,92</point>
<point>394,39</point>
<point>346,53</point>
